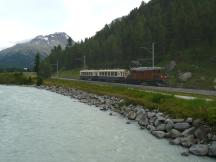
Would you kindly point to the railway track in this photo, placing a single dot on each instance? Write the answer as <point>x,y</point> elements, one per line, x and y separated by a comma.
<point>155,88</point>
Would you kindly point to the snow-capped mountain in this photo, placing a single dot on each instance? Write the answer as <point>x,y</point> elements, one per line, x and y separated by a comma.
<point>22,55</point>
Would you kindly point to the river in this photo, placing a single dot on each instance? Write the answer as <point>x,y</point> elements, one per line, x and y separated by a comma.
<point>41,126</point>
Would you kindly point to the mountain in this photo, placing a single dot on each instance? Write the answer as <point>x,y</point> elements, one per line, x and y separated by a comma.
<point>184,36</point>
<point>22,55</point>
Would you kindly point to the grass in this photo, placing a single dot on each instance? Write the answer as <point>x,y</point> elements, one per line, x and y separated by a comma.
<point>71,74</point>
<point>175,107</point>
<point>15,78</point>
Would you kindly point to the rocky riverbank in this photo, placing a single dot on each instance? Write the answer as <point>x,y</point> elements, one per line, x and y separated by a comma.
<point>193,134</point>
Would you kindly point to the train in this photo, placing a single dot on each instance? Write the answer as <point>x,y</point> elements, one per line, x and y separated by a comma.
<point>140,75</point>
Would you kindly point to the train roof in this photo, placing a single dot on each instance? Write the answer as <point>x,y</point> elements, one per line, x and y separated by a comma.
<point>105,70</point>
<point>146,68</point>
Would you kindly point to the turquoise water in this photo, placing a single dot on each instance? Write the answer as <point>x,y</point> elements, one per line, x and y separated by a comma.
<point>41,126</point>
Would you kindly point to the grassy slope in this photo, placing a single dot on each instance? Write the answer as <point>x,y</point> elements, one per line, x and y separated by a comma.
<point>72,74</point>
<point>14,78</point>
<point>166,103</point>
<point>200,61</point>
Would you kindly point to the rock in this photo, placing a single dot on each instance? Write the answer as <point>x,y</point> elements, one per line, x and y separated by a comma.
<point>143,121</point>
<point>176,141</point>
<point>185,76</point>
<point>158,134</point>
<point>186,153</point>
<point>188,131</point>
<point>171,65</point>
<point>174,133</point>
<point>178,120</point>
<point>189,120</point>
<point>212,149</point>
<point>131,115</point>
<point>181,126</point>
<point>128,122</point>
<point>187,141</point>
<point>159,120</point>
<point>200,150</point>
<point>202,132</point>
<point>151,114</point>
<point>169,125</point>
<point>196,123</point>
<point>151,128</point>
<point>104,108</point>
<point>110,114</point>
<point>140,113</point>
<point>214,138</point>
<point>161,127</point>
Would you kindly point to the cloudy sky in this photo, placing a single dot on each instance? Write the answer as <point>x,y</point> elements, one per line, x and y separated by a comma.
<point>21,20</point>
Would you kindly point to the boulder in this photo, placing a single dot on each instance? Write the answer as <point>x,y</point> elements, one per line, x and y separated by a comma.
<point>159,134</point>
<point>187,141</point>
<point>212,149</point>
<point>143,121</point>
<point>181,126</point>
<point>202,132</point>
<point>151,128</point>
<point>161,127</point>
<point>196,123</point>
<point>185,76</point>
<point>200,150</point>
<point>159,120</point>
<point>178,120</point>
<point>169,125</point>
<point>140,113</point>
<point>186,153</point>
<point>174,133</point>
<point>176,141</point>
<point>131,115</point>
<point>189,120</point>
<point>188,131</point>
<point>171,65</point>
<point>151,114</point>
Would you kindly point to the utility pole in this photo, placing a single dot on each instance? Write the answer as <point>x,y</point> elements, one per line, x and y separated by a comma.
<point>153,54</point>
<point>84,62</point>
<point>152,51</point>
<point>57,68</point>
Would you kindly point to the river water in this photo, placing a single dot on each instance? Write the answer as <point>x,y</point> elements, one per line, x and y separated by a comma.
<point>41,126</point>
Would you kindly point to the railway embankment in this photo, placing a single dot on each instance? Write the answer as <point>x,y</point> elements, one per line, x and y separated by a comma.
<point>192,128</point>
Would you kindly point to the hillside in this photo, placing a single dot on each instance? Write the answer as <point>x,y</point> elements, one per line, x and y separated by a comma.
<point>184,33</point>
<point>22,55</point>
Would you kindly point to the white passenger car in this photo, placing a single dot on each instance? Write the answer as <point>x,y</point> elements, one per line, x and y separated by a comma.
<point>104,75</point>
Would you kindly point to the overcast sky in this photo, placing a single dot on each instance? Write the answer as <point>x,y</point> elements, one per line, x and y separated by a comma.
<point>21,20</point>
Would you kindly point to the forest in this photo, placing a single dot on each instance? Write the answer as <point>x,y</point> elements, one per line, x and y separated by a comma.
<point>182,30</point>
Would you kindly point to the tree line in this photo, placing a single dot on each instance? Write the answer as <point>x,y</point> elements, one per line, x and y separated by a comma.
<point>172,24</point>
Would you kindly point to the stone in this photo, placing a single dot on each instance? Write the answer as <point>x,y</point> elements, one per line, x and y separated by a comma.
<point>187,141</point>
<point>186,153</point>
<point>140,113</point>
<point>110,114</point>
<point>176,141</point>
<point>188,131</point>
<point>212,149</point>
<point>202,132</point>
<point>159,120</point>
<point>131,115</point>
<point>158,134</point>
<point>151,128</point>
<point>151,114</point>
<point>171,65</point>
<point>169,125</point>
<point>178,120</point>
<point>104,108</point>
<point>200,150</point>
<point>196,123</point>
<point>173,133</point>
<point>143,121</point>
<point>189,120</point>
<point>161,127</point>
<point>214,138</point>
<point>181,126</point>
<point>185,76</point>
<point>128,122</point>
